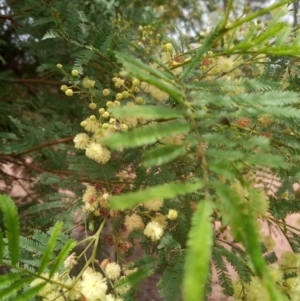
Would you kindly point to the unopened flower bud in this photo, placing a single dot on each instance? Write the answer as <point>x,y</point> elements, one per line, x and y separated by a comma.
<point>135,82</point>
<point>75,72</point>
<point>124,127</point>
<point>69,92</point>
<point>106,92</point>
<point>105,115</point>
<point>83,123</point>
<point>64,88</point>
<point>139,100</point>
<point>125,94</point>
<point>119,96</point>
<point>167,47</point>
<point>88,83</point>
<point>172,214</point>
<point>92,106</point>
<point>59,66</point>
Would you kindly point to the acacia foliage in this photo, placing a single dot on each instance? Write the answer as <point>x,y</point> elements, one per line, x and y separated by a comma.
<point>175,136</point>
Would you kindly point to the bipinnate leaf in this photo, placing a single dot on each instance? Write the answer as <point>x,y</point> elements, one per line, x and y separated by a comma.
<point>198,253</point>
<point>12,227</point>
<point>146,135</point>
<point>50,247</point>
<point>128,200</point>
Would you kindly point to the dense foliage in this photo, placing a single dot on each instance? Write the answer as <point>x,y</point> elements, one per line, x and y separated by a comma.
<point>145,137</point>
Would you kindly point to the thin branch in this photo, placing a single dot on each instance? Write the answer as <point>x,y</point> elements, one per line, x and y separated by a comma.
<point>61,173</point>
<point>37,80</point>
<point>46,144</point>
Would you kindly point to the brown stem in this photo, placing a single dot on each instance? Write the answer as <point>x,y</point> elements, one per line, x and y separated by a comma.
<point>61,173</point>
<point>37,80</point>
<point>40,146</point>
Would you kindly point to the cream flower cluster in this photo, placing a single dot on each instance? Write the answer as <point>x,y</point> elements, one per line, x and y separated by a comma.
<point>154,205</point>
<point>98,153</point>
<point>93,200</point>
<point>154,231</point>
<point>92,286</point>
<point>113,270</point>
<point>53,291</point>
<point>133,221</point>
<point>155,92</point>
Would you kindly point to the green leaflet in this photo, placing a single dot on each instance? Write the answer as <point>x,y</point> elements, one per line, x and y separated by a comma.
<point>1,246</point>
<point>128,200</point>
<point>68,247</point>
<point>146,135</point>
<point>222,168</point>
<point>163,154</point>
<point>198,254</point>
<point>51,34</point>
<point>12,227</point>
<point>170,283</point>
<point>161,80</point>
<point>30,293</point>
<point>146,267</point>
<point>208,42</point>
<point>50,247</point>
<point>222,272</point>
<point>146,112</point>
<point>267,160</point>
<point>6,280</point>
<point>125,59</point>
<point>13,289</point>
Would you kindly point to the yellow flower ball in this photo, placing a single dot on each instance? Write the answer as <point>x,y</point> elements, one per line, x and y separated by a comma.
<point>106,92</point>
<point>75,72</point>
<point>92,106</point>
<point>64,88</point>
<point>69,92</point>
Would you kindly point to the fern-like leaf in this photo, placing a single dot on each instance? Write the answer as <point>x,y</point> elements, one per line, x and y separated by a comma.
<point>104,32</point>
<point>238,265</point>
<point>169,190</point>
<point>198,255</point>
<point>10,292</point>
<point>208,42</point>
<point>170,283</point>
<point>146,135</point>
<point>50,247</point>
<point>1,246</point>
<point>163,154</point>
<point>222,272</point>
<point>29,293</point>
<point>12,227</point>
<point>68,247</point>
